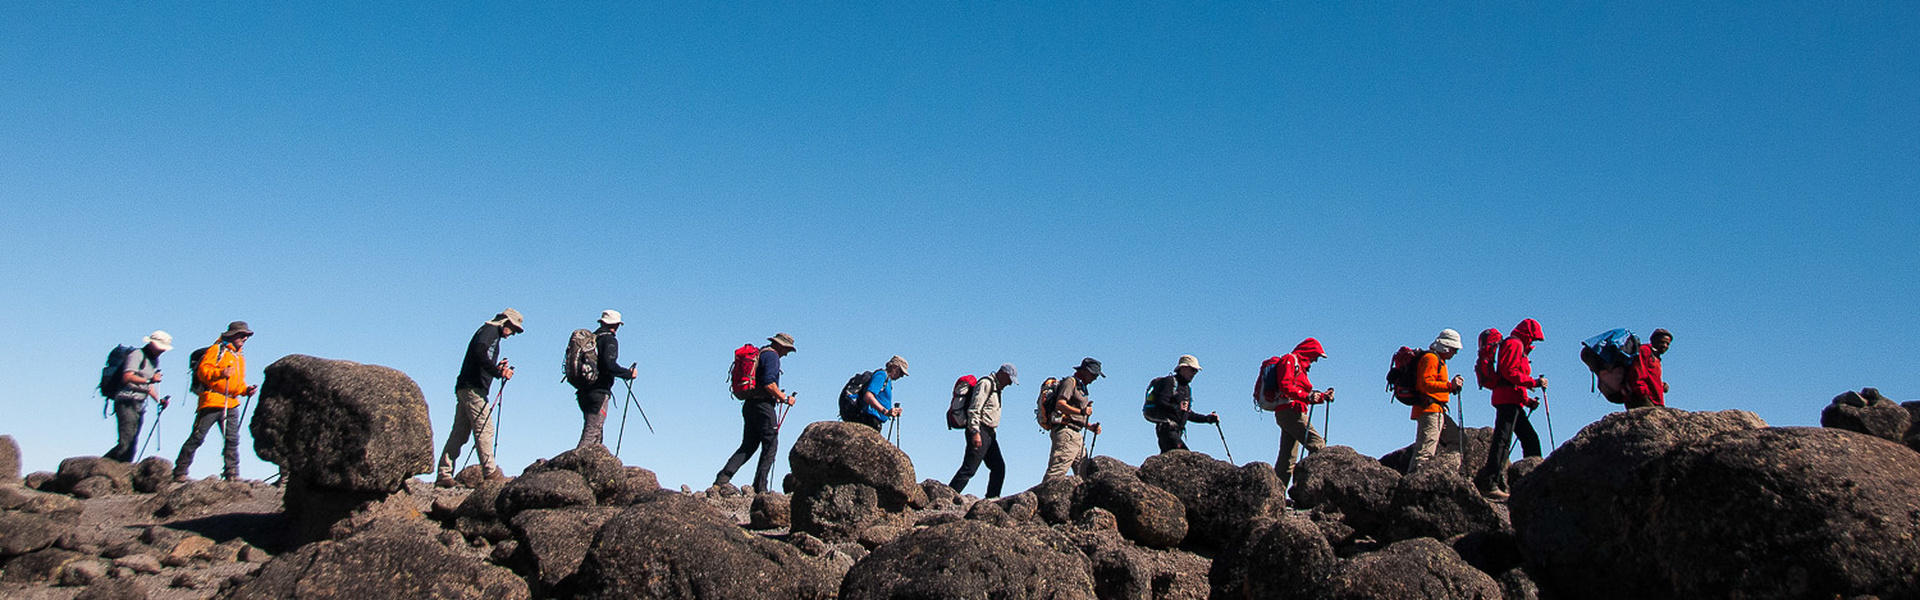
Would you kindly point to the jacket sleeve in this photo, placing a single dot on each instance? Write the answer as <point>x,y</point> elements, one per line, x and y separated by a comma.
<point>1515,369</point>
<point>1294,383</point>
<point>609,347</point>
<point>482,350</point>
<point>1433,380</point>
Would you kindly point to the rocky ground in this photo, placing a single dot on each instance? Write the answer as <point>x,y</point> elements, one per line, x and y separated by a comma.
<point>1652,503</point>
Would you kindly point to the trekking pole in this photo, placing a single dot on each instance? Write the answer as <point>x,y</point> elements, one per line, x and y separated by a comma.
<point>499,410</point>
<point>636,406</point>
<point>624,407</point>
<point>1095,443</point>
<point>784,408</point>
<point>1549,406</point>
<point>1462,425</point>
<point>1223,441</point>
<point>156,427</point>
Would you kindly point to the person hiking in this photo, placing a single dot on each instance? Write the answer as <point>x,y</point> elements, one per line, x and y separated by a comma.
<point>222,373</point>
<point>1170,402</point>
<point>473,415</point>
<point>139,370</point>
<point>593,398</point>
<point>1297,389</point>
<point>1073,405</point>
<point>982,424</point>
<point>1434,386</point>
<point>761,429</point>
<point>1649,386</point>
<point>1510,397</point>
<point>875,404</point>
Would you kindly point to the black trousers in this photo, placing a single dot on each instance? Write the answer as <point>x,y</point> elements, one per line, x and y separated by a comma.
<point>989,452</point>
<point>760,432</point>
<point>1172,436</point>
<point>229,421</point>
<point>1508,420</point>
<point>129,414</point>
<point>868,420</point>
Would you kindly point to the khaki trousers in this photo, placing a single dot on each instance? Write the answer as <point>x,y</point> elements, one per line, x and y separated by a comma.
<point>472,417</point>
<point>1426,439</point>
<point>1294,431</point>
<point>1066,452</point>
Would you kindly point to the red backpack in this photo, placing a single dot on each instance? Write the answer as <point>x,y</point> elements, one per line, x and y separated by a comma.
<point>1266,386</point>
<point>1486,368</point>
<point>746,363</point>
<point>1403,377</point>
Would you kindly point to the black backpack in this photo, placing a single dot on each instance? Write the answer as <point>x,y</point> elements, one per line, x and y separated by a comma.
<point>112,376</point>
<point>1151,409</point>
<point>850,402</point>
<point>195,384</point>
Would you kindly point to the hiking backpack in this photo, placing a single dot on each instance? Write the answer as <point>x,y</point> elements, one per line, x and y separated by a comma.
<point>1043,411</point>
<point>1266,387</point>
<point>1403,377</point>
<point>962,396</point>
<point>1151,409</point>
<point>583,359</point>
<point>113,375</point>
<point>1608,356</point>
<point>1486,366</point>
<point>746,366</point>
<point>195,384</point>
<point>850,401</point>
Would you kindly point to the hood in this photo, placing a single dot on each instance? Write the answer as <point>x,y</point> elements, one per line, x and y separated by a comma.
<point>1310,348</point>
<point>1528,330</point>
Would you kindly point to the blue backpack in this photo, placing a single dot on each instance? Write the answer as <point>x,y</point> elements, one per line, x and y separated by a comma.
<point>1607,356</point>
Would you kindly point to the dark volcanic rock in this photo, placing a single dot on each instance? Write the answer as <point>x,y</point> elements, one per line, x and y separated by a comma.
<point>596,467</point>
<point>677,547</point>
<point>1287,557</point>
<point>9,460</point>
<point>968,559</point>
<point>838,512</point>
<point>1221,499</point>
<point>28,500</point>
<point>1574,513</point>
<point>1869,413</point>
<point>835,453</point>
<point>640,485</point>
<point>478,515</point>
<point>771,510</point>
<point>1436,502</point>
<point>342,425</point>
<point>1519,469</point>
<point>152,475</point>
<point>1340,480</point>
<point>37,480</point>
<point>1100,464</point>
<point>1491,552</point>
<point>23,533</point>
<point>118,476</point>
<point>1147,515</point>
<point>41,566</point>
<point>1414,569</point>
<point>1123,570</point>
<point>544,489</point>
<point>1024,506</point>
<point>1054,498</point>
<point>380,563</point>
<point>552,542</point>
<point>114,589</point>
<point>195,497</point>
<point>938,494</point>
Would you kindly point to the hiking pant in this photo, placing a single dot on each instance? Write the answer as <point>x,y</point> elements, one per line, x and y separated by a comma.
<point>1509,420</point>
<point>1426,439</point>
<point>1066,452</point>
<point>229,420</point>
<point>870,421</point>
<point>1294,431</point>
<point>129,414</point>
<point>473,416</point>
<point>989,451</point>
<point>760,431</point>
<point>1172,435</point>
<point>593,410</point>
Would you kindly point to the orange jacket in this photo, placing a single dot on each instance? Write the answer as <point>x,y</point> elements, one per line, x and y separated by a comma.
<point>225,372</point>
<point>1434,382</point>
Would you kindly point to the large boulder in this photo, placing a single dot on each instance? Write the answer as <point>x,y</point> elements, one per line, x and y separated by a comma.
<point>597,468</point>
<point>1415,569</point>
<point>1054,498</point>
<point>382,563</point>
<point>969,559</point>
<point>1572,513</point>
<point>1338,479</point>
<point>553,542</point>
<point>105,475</point>
<point>152,475</point>
<point>1148,515</point>
<point>836,453</point>
<point>1832,513</point>
<point>1867,412</point>
<point>9,461</point>
<point>770,510</point>
<point>1437,502</point>
<point>676,547</point>
<point>1221,499</point>
<point>478,515</point>
<point>555,488</point>
<point>29,500</point>
<point>23,532</point>
<point>342,425</point>
<point>1286,557</point>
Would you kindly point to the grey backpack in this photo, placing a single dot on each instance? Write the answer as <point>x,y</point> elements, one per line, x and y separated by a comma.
<point>582,366</point>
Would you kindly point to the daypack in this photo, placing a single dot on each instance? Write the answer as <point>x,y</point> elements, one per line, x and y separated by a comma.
<point>1486,366</point>
<point>1403,377</point>
<point>1609,356</point>
<point>582,365</point>
<point>1266,387</point>
<point>850,401</point>
<point>112,376</point>
<point>962,396</point>
<point>1043,411</point>
<point>195,384</point>
<point>742,378</point>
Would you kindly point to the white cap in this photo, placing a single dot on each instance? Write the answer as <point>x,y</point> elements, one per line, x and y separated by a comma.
<point>1448,339</point>
<point>610,317</point>
<point>160,340</point>
<point>1187,360</point>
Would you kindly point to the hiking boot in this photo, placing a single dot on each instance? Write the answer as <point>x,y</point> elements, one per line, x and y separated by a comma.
<point>443,482</point>
<point>1495,495</point>
<point>723,489</point>
<point>180,478</point>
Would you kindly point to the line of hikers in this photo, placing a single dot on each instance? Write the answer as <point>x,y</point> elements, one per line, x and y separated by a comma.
<point>1626,372</point>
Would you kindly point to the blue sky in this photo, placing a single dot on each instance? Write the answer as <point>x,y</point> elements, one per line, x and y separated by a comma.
<point>962,185</point>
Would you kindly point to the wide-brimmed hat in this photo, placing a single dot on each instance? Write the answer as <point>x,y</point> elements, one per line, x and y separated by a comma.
<point>1187,360</point>
<point>1091,366</point>
<point>899,363</point>
<point>1448,339</point>
<point>782,339</point>
<point>609,317</point>
<point>236,330</point>
<point>159,340</point>
<point>511,318</point>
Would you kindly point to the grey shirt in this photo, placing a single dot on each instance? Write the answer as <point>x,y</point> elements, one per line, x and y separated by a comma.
<point>138,364</point>
<point>984,409</point>
<point>1075,395</point>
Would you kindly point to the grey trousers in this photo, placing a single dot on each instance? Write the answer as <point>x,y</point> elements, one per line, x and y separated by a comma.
<point>593,411</point>
<point>472,417</point>
<point>229,421</point>
<point>1426,439</point>
<point>128,414</point>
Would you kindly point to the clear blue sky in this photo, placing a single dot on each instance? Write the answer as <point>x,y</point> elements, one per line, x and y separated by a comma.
<point>962,185</point>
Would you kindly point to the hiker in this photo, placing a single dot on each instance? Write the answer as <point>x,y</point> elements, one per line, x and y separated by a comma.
<point>472,415</point>
<point>757,411</point>
<point>1510,397</point>
<point>1296,389</point>
<point>593,398</point>
<point>875,405</point>
<point>222,377</point>
<point>139,370</point>
<point>1170,402</point>
<point>1071,408</point>
<point>1649,386</point>
<point>1434,386</point>
<point>982,420</point>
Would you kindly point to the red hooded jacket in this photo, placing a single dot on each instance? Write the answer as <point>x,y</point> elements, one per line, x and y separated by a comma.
<point>1294,384</point>
<point>1516,372</point>
<point>1647,381</point>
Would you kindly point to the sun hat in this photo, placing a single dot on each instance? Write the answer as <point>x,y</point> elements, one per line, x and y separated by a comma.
<point>1187,360</point>
<point>782,339</point>
<point>160,340</point>
<point>609,317</point>
<point>236,330</point>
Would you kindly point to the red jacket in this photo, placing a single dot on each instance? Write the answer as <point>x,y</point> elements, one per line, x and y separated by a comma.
<point>1647,380</point>
<point>1516,372</point>
<point>1294,384</point>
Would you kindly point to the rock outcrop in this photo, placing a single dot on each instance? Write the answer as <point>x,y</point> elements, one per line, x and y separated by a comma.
<point>398,563</point>
<point>847,478</point>
<point>1338,479</point>
<point>1415,569</point>
<point>1436,502</point>
<point>1285,557</point>
<point>677,547</point>
<point>1867,412</point>
<point>1221,499</point>
<point>969,559</point>
<point>1148,515</point>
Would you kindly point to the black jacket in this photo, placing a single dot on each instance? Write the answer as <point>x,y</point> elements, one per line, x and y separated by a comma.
<point>610,369</point>
<point>482,363</point>
<point>1172,403</point>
